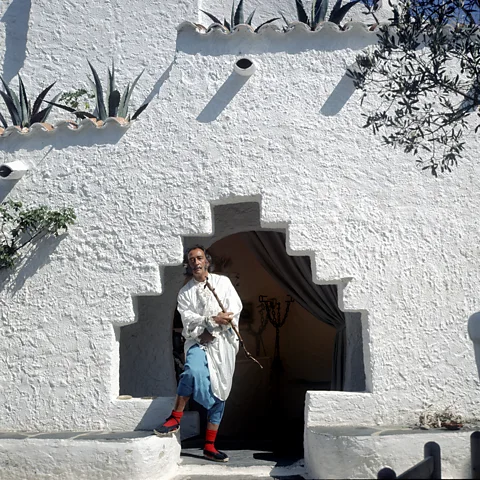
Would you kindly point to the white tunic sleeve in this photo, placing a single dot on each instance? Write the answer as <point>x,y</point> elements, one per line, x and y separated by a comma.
<point>232,302</point>
<point>193,323</point>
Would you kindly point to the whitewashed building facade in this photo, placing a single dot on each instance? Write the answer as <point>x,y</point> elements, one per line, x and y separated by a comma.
<point>283,149</point>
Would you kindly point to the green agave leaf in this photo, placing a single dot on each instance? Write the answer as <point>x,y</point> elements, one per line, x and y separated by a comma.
<point>227,25</point>
<point>212,17</point>
<point>24,110</point>
<point>42,115</point>
<point>111,82</point>
<point>40,98</point>
<point>81,114</point>
<point>239,18</point>
<point>265,23</point>
<point>12,109</point>
<point>319,10</point>
<point>301,13</point>
<point>284,19</point>
<point>250,18</point>
<point>12,95</point>
<point>77,113</point>
<point>3,121</point>
<point>127,97</point>
<point>232,15</point>
<point>63,107</point>
<point>102,113</point>
<point>135,83</point>
<point>336,8</point>
<point>94,89</point>
<point>139,111</point>
<point>123,105</point>
<point>338,14</point>
<point>113,103</point>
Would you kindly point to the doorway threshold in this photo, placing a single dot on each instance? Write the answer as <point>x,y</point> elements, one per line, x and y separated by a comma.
<point>243,465</point>
<point>248,459</point>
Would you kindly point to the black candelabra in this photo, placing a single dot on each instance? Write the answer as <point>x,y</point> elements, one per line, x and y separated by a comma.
<point>272,309</point>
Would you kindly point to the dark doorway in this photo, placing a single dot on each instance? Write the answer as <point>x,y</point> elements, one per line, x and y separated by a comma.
<point>266,407</point>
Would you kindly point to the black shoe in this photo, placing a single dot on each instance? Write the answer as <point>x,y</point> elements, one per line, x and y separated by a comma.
<point>216,457</point>
<point>162,430</point>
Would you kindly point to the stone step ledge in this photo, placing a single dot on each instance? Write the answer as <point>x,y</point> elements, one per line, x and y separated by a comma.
<point>136,455</point>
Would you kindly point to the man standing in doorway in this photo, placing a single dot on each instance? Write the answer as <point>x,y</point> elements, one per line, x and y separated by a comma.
<point>211,346</point>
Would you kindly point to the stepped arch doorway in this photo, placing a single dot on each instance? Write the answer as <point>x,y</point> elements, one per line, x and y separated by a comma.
<point>263,403</point>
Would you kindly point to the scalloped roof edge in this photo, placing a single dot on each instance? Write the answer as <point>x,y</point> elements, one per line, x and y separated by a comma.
<point>66,124</point>
<point>294,27</point>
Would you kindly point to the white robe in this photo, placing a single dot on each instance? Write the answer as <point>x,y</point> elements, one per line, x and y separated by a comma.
<point>197,305</point>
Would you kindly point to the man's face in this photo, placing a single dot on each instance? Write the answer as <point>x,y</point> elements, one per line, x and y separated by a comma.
<point>198,263</point>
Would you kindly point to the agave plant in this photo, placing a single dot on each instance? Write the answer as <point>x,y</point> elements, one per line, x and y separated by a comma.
<point>319,12</point>
<point>114,104</point>
<point>21,112</point>
<point>237,18</point>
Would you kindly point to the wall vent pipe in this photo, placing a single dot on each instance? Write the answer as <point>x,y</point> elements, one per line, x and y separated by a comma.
<point>245,67</point>
<point>13,170</point>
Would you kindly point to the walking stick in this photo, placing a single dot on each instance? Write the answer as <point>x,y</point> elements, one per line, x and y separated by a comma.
<point>240,339</point>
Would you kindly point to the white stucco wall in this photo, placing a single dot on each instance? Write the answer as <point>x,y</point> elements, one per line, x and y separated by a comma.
<point>138,458</point>
<point>399,243</point>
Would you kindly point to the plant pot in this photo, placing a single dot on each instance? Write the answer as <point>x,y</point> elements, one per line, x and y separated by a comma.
<point>121,120</point>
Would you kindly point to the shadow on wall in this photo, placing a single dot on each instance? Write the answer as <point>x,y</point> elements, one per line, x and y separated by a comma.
<point>222,98</point>
<point>234,83</point>
<point>146,350</point>
<point>158,85</point>
<point>34,258</point>
<point>16,19</point>
<point>191,42</point>
<point>63,137</point>
<point>339,97</point>
<point>6,186</point>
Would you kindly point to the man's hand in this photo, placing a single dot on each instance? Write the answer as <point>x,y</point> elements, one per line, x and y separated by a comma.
<point>223,318</point>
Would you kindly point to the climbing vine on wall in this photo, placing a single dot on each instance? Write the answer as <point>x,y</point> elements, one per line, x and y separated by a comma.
<point>21,227</point>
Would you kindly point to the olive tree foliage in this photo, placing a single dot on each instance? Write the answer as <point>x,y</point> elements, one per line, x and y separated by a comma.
<point>21,227</point>
<point>426,70</point>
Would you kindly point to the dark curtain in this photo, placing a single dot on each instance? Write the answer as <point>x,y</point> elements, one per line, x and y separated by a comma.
<point>295,276</point>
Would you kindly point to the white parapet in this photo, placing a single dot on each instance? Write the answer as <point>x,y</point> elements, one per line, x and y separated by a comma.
<point>123,456</point>
<point>360,452</point>
<point>474,333</point>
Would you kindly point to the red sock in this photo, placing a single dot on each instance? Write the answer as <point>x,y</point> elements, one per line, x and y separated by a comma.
<point>176,417</point>
<point>210,441</point>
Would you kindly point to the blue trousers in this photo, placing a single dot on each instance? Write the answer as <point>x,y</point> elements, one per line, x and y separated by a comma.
<point>195,382</point>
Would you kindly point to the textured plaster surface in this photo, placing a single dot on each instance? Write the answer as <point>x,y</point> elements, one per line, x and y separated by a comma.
<point>399,243</point>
